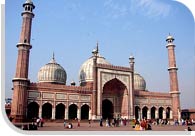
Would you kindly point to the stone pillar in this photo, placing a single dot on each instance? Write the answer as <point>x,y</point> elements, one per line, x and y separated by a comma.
<point>40,111</point>
<point>164,114</point>
<point>90,113</point>
<point>171,114</point>
<point>66,113</point>
<point>53,112</point>
<point>139,117</point>
<point>140,114</point>
<point>156,114</point>
<point>79,113</point>
<point>148,114</point>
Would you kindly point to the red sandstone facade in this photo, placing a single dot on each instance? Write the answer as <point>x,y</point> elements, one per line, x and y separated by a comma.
<point>111,93</point>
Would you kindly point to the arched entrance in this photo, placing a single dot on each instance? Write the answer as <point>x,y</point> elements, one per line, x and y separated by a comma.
<point>153,111</point>
<point>115,99</point>
<point>32,110</point>
<point>168,110</point>
<point>47,111</point>
<point>72,111</point>
<point>85,112</point>
<point>137,112</point>
<point>60,110</point>
<point>107,109</point>
<point>160,111</point>
<point>144,112</point>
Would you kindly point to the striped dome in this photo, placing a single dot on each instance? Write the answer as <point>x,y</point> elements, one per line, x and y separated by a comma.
<point>139,82</point>
<point>52,73</point>
<point>86,70</point>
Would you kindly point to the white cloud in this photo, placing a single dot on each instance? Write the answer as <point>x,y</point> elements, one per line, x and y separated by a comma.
<point>115,8</point>
<point>151,8</point>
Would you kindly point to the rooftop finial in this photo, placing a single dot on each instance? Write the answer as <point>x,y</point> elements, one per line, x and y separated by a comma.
<point>97,48</point>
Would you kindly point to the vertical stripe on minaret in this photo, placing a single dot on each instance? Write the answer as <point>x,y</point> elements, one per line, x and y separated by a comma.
<point>174,89</point>
<point>21,81</point>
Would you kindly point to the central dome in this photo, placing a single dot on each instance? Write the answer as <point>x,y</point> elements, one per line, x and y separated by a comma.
<point>86,70</point>
<point>52,73</point>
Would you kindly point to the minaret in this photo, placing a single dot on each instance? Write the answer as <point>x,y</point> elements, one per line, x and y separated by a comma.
<point>174,89</point>
<point>131,96</point>
<point>21,81</point>
<point>94,98</point>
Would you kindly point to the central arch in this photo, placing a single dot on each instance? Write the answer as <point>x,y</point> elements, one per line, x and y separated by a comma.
<point>115,92</point>
<point>107,109</point>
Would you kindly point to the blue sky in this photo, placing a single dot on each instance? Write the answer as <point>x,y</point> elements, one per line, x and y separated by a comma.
<point>71,28</point>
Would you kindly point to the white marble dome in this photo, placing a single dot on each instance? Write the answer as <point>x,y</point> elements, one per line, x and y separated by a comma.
<point>86,69</point>
<point>139,82</point>
<point>52,73</point>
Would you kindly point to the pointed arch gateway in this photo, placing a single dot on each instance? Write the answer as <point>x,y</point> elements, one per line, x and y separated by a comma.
<point>60,111</point>
<point>32,110</point>
<point>85,112</point>
<point>153,112</point>
<point>137,112</point>
<point>47,111</point>
<point>72,111</point>
<point>115,100</point>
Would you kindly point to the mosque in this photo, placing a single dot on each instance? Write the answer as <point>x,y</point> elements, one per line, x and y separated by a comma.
<point>105,90</point>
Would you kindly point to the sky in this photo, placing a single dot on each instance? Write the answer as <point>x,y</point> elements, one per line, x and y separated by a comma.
<point>71,29</point>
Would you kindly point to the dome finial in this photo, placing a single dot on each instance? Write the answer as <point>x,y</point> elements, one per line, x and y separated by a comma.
<point>53,58</point>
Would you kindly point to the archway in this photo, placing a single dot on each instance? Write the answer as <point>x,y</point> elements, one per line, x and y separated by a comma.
<point>144,112</point>
<point>32,110</point>
<point>85,112</point>
<point>153,111</point>
<point>115,90</point>
<point>72,111</point>
<point>47,111</point>
<point>160,111</point>
<point>107,109</point>
<point>168,110</point>
<point>137,112</point>
<point>60,110</point>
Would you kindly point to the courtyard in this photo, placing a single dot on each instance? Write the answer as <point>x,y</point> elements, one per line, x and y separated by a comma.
<point>84,126</point>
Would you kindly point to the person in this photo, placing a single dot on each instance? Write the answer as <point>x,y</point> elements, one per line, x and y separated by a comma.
<point>70,126</point>
<point>101,124</point>
<point>182,122</point>
<point>143,124</point>
<point>137,127</point>
<point>78,122</point>
<point>107,124</point>
<point>38,121</point>
<point>89,121</point>
<point>64,123</point>
<point>115,122</point>
<point>42,121</point>
<point>189,129</point>
<point>125,122</point>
